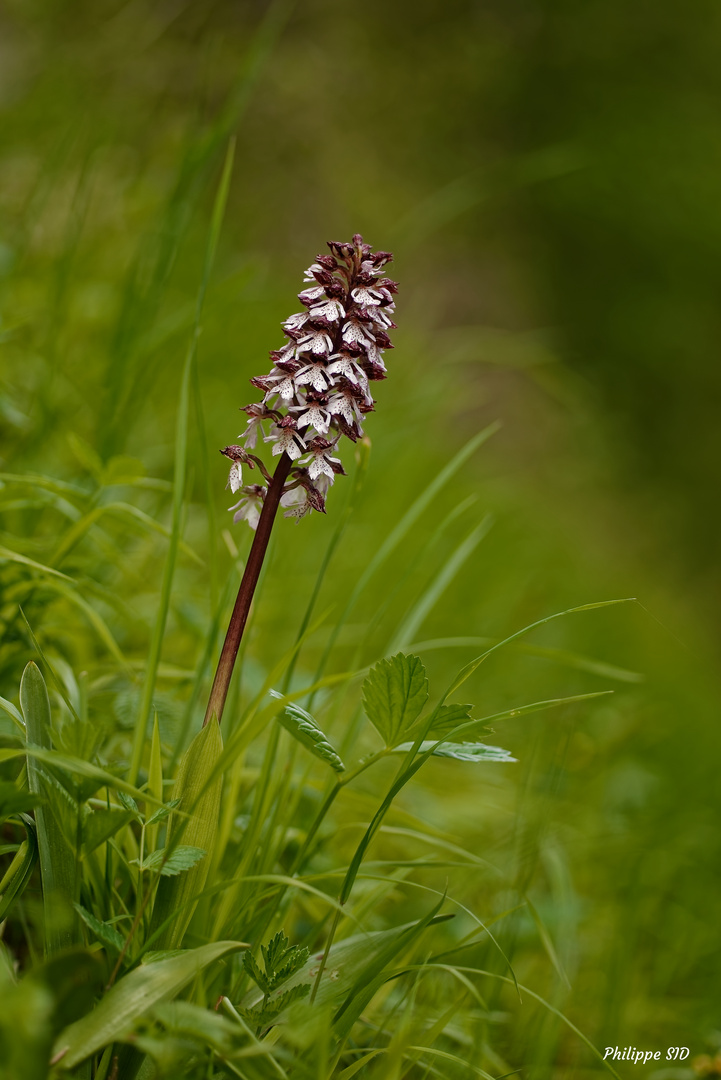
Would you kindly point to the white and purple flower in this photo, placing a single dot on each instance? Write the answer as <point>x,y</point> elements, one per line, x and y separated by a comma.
<point>318,388</point>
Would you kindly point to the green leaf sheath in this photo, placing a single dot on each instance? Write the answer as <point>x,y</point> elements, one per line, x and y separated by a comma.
<point>394,692</point>
<point>199,796</point>
<point>57,860</point>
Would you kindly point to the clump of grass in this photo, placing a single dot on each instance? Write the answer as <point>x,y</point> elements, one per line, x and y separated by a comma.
<point>223,916</point>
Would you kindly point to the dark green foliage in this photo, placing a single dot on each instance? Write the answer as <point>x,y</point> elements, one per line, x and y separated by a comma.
<point>281,961</point>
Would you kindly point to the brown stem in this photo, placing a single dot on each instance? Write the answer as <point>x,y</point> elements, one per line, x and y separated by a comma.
<point>238,619</point>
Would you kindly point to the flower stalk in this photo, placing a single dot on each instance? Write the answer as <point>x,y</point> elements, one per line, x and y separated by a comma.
<point>241,609</point>
<point>316,393</point>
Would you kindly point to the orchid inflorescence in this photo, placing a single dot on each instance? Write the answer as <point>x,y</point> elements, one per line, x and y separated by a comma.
<point>318,388</point>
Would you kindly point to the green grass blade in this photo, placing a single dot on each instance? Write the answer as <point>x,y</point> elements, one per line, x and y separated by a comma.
<point>560,656</point>
<point>181,445</point>
<point>427,601</point>
<point>401,530</point>
<point>199,788</point>
<point>467,671</point>
<point>76,765</point>
<point>57,860</point>
<point>373,974</point>
<point>132,998</point>
<point>19,872</point>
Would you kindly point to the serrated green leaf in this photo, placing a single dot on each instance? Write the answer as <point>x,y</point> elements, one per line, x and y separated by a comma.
<point>103,931</point>
<point>463,751</point>
<point>303,727</point>
<point>252,968</point>
<point>291,962</point>
<point>273,1008</point>
<point>130,804</point>
<point>182,858</point>
<point>274,952</point>
<point>448,717</point>
<point>133,996</point>
<point>163,812</point>
<point>394,692</point>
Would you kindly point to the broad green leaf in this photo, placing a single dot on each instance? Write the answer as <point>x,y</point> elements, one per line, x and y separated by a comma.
<point>103,931</point>
<point>394,692</point>
<point>448,717</point>
<point>303,727</point>
<point>100,825</point>
<point>131,998</point>
<point>179,860</point>
<point>16,800</point>
<point>462,751</point>
<point>9,708</point>
<point>74,765</point>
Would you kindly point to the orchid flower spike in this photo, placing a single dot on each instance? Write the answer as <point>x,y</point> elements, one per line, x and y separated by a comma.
<point>318,389</point>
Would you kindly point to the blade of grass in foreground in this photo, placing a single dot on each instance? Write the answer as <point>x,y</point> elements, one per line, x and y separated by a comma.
<point>131,998</point>
<point>181,447</point>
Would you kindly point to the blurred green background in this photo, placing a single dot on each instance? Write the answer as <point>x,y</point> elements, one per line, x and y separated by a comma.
<point>548,176</point>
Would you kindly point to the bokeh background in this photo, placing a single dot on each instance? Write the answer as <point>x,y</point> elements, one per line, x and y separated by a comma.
<point>548,175</point>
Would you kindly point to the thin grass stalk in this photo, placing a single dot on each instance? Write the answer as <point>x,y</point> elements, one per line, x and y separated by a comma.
<point>181,447</point>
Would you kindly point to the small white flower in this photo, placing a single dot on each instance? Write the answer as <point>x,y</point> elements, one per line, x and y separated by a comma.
<point>314,415</point>
<point>284,384</point>
<point>332,310</point>
<point>286,440</point>
<point>235,479</point>
<point>315,375</point>
<point>297,503</point>
<point>249,507</point>
<point>367,296</point>
<point>343,364</point>
<point>311,272</point>
<point>375,356</point>
<point>295,322</point>
<point>317,341</point>
<point>382,315</point>
<point>311,294</point>
<point>353,330</point>
<point>322,464</point>
<point>344,404</point>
